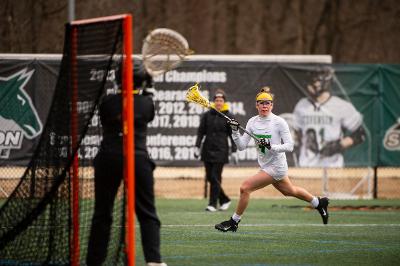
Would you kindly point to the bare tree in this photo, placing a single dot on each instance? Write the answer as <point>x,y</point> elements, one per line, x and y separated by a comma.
<point>351,31</point>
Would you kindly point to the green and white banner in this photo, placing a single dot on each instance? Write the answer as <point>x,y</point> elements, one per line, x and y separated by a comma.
<point>355,124</point>
<point>339,115</point>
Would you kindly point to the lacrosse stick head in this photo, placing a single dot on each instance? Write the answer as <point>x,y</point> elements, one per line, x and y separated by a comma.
<point>193,95</point>
<point>164,49</point>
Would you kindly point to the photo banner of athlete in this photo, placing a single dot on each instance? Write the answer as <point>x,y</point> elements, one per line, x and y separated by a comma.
<point>339,115</point>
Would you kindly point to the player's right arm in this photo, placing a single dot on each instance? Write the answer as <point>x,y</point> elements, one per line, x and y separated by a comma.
<point>242,141</point>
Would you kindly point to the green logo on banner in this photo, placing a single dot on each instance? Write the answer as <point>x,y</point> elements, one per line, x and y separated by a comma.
<point>392,137</point>
<point>18,116</point>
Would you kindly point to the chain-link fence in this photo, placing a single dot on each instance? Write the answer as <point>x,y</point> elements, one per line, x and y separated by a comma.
<point>349,183</point>
<point>185,182</point>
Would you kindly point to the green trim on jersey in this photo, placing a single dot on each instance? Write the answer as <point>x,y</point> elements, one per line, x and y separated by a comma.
<point>263,136</point>
<point>262,148</point>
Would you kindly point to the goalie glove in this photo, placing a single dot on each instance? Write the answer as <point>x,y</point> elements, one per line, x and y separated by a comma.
<point>233,124</point>
<point>331,148</point>
<point>264,143</point>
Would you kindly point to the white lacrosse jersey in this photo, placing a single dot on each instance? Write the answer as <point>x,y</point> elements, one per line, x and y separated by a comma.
<point>273,128</point>
<point>322,123</point>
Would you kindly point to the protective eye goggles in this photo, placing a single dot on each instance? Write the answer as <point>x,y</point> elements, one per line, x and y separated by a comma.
<point>267,103</point>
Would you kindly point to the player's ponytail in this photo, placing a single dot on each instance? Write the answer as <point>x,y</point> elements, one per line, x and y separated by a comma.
<point>265,94</point>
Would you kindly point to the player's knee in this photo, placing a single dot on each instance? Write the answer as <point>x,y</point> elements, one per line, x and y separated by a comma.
<point>245,188</point>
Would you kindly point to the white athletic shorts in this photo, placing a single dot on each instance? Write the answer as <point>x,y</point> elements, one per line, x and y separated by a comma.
<point>277,172</point>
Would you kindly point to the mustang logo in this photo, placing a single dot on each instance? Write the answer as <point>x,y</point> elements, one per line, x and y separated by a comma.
<point>18,116</point>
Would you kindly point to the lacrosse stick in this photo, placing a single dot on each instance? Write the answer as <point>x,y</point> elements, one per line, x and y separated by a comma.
<point>193,95</point>
<point>163,49</point>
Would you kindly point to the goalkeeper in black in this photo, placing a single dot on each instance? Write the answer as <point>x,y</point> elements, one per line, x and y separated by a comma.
<point>109,173</point>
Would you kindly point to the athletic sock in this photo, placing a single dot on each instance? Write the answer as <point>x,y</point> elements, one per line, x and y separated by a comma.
<point>236,217</point>
<point>314,202</point>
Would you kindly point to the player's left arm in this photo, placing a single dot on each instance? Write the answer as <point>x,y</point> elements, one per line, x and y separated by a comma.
<point>351,122</point>
<point>356,137</point>
<point>288,144</point>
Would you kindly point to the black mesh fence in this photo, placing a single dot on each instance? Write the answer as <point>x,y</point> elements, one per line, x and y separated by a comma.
<point>36,226</point>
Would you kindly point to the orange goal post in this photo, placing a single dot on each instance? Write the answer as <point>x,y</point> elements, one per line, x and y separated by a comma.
<point>128,137</point>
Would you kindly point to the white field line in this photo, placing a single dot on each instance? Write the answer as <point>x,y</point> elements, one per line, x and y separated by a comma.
<point>287,225</point>
<point>243,225</point>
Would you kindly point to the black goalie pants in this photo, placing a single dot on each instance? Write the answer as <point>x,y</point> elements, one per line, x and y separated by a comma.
<point>108,177</point>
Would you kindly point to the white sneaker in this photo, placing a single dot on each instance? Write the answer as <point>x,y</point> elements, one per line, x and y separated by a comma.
<point>211,209</point>
<point>225,206</point>
<point>156,264</point>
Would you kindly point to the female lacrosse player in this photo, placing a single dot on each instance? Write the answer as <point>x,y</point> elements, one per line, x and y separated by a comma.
<point>274,140</point>
<point>215,149</point>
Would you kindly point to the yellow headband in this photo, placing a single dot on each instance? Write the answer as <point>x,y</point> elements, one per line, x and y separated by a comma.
<point>265,96</point>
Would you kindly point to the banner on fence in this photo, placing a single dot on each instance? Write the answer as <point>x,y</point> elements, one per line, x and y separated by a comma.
<point>339,115</point>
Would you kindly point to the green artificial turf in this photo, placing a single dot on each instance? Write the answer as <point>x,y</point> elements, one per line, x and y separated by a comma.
<point>279,232</point>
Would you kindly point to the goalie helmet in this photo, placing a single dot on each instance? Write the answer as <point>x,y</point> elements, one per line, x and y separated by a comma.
<point>319,81</point>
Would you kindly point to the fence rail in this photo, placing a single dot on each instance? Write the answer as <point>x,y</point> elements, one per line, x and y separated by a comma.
<point>189,182</point>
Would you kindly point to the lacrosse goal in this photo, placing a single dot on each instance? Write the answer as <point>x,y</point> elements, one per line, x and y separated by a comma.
<point>46,219</point>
